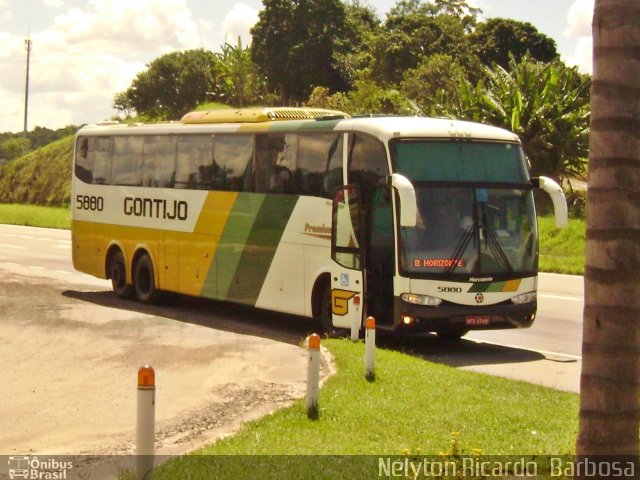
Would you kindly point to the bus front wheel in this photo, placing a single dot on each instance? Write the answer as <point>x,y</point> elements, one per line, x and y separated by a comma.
<point>325,315</point>
<point>118,276</point>
<point>144,280</point>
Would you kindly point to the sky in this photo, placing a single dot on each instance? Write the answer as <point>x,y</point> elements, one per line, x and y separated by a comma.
<point>83,52</point>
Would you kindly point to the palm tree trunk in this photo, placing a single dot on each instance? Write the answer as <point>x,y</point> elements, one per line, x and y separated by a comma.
<point>610,381</point>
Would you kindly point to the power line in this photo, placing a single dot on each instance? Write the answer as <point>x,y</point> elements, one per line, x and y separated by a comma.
<point>27,44</point>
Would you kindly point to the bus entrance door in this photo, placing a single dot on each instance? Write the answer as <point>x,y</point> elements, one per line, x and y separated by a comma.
<point>347,279</point>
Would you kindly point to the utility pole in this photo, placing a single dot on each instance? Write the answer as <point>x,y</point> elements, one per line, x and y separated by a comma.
<point>27,44</point>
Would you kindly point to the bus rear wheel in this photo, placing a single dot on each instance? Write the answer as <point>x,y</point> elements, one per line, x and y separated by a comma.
<point>118,276</point>
<point>144,280</point>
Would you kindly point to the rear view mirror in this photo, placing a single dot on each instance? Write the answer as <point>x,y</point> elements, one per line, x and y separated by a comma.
<point>557,197</point>
<point>407,194</point>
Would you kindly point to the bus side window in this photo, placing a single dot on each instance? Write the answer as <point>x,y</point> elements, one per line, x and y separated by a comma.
<point>194,162</point>
<point>159,164</point>
<point>314,154</point>
<point>232,164</point>
<point>126,168</point>
<point>85,156</point>
<point>367,162</point>
<point>333,174</point>
<point>102,160</point>
<point>275,159</point>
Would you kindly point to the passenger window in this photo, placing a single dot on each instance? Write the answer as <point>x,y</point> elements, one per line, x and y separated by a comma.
<point>232,164</point>
<point>85,157</point>
<point>127,160</point>
<point>367,162</point>
<point>159,165</point>
<point>333,177</point>
<point>102,160</point>
<point>275,162</point>
<point>194,163</point>
<point>315,154</point>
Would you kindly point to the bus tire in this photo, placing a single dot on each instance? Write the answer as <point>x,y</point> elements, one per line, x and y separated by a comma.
<point>117,270</point>
<point>324,312</point>
<point>144,280</point>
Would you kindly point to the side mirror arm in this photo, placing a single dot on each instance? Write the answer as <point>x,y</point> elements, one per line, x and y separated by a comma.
<point>407,194</point>
<point>557,197</point>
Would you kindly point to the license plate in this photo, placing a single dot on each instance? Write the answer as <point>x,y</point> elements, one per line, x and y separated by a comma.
<point>478,320</point>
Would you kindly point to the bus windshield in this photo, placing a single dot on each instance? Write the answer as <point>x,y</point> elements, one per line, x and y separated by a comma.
<point>478,231</point>
<point>475,212</point>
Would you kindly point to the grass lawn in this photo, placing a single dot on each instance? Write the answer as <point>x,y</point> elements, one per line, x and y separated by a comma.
<point>35,216</point>
<point>413,408</point>
<point>562,249</point>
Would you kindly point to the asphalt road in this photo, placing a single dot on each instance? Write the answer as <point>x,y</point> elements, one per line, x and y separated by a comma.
<point>217,357</point>
<point>70,351</point>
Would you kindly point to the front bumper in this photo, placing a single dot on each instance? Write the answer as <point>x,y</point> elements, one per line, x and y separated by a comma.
<point>456,318</point>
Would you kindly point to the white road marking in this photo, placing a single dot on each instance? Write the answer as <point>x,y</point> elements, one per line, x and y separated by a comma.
<point>561,297</point>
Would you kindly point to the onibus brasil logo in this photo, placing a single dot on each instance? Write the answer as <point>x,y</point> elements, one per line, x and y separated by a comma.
<point>40,469</point>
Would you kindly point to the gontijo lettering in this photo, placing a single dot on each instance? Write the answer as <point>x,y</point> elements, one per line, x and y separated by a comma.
<point>156,208</point>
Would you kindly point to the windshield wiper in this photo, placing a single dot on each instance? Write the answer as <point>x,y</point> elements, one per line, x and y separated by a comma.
<point>494,245</point>
<point>461,246</point>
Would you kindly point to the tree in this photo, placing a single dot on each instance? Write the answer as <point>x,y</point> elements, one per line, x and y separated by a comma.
<point>411,35</point>
<point>14,148</point>
<point>295,47</point>
<point>239,82</point>
<point>41,136</point>
<point>547,105</point>
<point>172,85</point>
<point>610,383</point>
<point>355,55</point>
<point>122,103</point>
<point>498,38</point>
<point>435,78</point>
<point>416,30</point>
<point>366,98</point>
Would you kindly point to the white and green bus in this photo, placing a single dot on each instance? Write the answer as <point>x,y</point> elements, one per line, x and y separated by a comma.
<point>428,225</point>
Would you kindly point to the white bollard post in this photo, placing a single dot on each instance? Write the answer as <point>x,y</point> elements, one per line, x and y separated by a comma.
<point>145,423</point>
<point>313,375</point>
<point>370,348</point>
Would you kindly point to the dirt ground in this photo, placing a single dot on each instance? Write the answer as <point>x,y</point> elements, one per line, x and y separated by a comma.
<point>69,363</point>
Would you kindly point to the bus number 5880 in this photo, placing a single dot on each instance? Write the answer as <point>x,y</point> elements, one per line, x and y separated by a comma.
<point>87,202</point>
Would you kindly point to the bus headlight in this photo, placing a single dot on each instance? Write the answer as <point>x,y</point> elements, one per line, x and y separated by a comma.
<point>525,298</point>
<point>416,299</point>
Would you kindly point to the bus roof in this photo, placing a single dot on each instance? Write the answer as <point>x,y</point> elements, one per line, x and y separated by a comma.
<point>385,128</point>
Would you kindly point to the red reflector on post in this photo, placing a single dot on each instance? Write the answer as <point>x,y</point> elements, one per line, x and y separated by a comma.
<point>314,341</point>
<point>146,377</point>
<point>370,323</point>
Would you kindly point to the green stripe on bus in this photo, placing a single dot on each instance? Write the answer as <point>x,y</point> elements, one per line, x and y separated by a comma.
<point>260,248</point>
<point>232,244</point>
<point>487,287</point>
<point>327,125</point>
